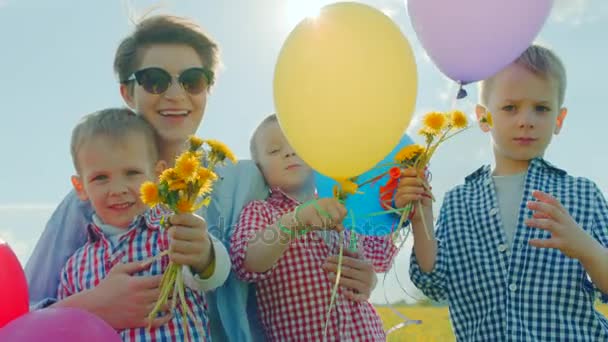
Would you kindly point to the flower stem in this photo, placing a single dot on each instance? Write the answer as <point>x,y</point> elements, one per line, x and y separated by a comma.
<point>426,228</point>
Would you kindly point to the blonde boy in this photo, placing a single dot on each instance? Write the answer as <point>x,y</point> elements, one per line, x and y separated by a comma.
<point>520,251</point>
<point>114,152</point>
<point>281,245</point>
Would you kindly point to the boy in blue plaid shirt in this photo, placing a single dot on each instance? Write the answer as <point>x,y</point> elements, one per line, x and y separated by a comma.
<point>520,251</point>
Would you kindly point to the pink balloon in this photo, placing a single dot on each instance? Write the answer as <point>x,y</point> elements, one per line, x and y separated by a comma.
<point>470,40</point>
<point>14,298</point>
<point>59,324</point>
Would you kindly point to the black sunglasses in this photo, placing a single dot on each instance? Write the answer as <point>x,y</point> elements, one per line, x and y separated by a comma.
<point>156,80</point>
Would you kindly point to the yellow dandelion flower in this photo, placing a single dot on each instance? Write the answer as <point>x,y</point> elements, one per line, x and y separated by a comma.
<point>409,154</point>
<point>167,176</point>
<point>186,166</point>
<point>219,151</point>
<point>204,173</point>
<point>458,119</point>
<point>348,187</point>
<point>435,121</point>
<point>198,154</point>
<point>336,191</point>
<point>427,132</point>
<point>184,206</point>
<point>205,187</point>
<point>177,184</point>
<point>195,142</point>
<point>487,119</point>
<point>149,194</point>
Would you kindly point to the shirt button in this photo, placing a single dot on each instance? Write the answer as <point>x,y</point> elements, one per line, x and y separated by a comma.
<point>502,247</point>
<point>513,287</point>
<point>493,211</point>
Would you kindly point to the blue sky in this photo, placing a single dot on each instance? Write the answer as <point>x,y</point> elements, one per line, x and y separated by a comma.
<point>56,65</point>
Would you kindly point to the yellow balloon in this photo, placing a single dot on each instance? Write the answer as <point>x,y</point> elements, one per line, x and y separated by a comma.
<point>345,88</point>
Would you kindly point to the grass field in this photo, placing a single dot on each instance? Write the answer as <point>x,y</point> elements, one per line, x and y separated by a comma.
<point>435,325</point>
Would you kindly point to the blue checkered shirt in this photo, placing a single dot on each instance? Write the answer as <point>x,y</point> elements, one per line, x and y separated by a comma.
<point>523,293</point>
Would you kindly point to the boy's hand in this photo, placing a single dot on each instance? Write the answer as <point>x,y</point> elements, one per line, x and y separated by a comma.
<point>412,187</point>
<point>328,213</point>
<point>358,277</point>
<point>190,243</point>
<point>123,300</point>
<point>566,235</point>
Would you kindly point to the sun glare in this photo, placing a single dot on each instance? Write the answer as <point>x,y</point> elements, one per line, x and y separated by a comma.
<point>297,10</point>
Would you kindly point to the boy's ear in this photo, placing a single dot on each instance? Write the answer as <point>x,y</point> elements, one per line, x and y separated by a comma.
<point>480,112</point>
<point>161,165</point>
<point>126,91</point>
<point>560,119</point>
<point>77,183</point>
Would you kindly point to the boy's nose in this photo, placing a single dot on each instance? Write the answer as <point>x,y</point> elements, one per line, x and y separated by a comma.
<point>526,119</point>
<point>118,188</point>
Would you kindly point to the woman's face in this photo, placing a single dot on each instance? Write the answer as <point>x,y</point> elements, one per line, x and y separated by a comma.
<point>175,113</point>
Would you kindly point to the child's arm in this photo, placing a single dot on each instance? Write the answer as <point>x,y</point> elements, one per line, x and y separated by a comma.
<point>216,273</point>
<point>411,189</point>
<point>569,238</point>
<point>205,259</point>
<point>254,218</point>
<point>257,244</point>
<point>428,264</point>
<point>357,278</point>
<point>190,243</point>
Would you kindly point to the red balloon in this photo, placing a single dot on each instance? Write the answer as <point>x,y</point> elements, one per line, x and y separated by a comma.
<point>14,298</point>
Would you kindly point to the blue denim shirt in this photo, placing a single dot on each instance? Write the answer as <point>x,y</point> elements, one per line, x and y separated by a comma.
<point>232,307</point>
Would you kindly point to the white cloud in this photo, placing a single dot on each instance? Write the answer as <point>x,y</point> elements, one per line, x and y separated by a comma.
<point>20,247</point>
<point>22,224</point>
<point>578,12</point>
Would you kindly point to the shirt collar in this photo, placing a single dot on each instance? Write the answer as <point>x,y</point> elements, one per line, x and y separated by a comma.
<point>150,219</point>
<point>536,164</point>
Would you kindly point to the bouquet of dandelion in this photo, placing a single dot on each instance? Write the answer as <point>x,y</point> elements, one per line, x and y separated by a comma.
<point>184,189</point>
<point>437,128</point>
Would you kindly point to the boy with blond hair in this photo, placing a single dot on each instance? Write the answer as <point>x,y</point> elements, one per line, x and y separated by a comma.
<point>280,244</point>
<point>114,152</point>
<point>521,249</point>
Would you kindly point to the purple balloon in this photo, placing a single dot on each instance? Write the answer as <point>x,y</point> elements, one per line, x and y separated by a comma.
<point>471,40</point>
<point>59,324</point>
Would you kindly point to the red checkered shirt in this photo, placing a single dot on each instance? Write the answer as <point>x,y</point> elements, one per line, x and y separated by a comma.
<point>294,295</point>
<point>144,239</point>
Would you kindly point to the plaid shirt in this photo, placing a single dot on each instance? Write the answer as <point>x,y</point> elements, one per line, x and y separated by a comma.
<point>522,294</point>
<point>293,296</point>
<point>144,239</point>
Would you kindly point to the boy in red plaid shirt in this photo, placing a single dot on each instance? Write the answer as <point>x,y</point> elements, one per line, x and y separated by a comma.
<point>114,152</point>
<point>281,244</point>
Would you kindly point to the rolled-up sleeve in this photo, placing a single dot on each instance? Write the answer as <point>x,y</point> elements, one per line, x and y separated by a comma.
<point>254,218</point>
<point>434,284</point>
